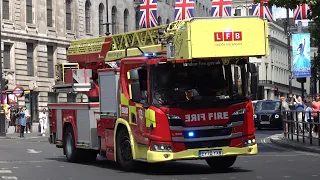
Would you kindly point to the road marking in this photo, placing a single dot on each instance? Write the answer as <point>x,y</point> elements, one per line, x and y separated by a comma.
<point>259,177</point>
<point>314,175</point>
<point>286,176</point>
<point>61,166</point>
<point>3,171</point>
<point>15,167</point>
<point>9,177</point>
<point>32,151</point>
<point>38,166</point>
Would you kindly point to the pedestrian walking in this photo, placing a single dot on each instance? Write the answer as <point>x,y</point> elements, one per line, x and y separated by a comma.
<point>43,120</point>
<point>299,110</point>
<point>28,119</point>
<point>308,115</point>
<point>23,121</point>
<point>284,110</point>
<point>315,114</point>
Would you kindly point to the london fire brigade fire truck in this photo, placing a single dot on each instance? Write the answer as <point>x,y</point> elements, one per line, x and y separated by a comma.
<point>174,92</point>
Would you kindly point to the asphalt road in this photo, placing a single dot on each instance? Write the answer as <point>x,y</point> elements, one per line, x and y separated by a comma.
<point>35,160</point>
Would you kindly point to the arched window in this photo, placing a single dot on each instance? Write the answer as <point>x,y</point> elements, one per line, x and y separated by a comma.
<point>125,20</point>
<point>159,20</point>
<point>137,18</point>
<point>87,16</point>
<point>68,15</point>
<point>101,11</point>
<point>168,21</point>
<point>114,19</point>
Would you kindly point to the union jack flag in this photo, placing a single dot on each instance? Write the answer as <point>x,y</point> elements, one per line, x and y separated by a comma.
<point>301,12</point>
<point>260,9</point>
<point>148,13</point>
<point>221,8</point>
<point>184,9</point>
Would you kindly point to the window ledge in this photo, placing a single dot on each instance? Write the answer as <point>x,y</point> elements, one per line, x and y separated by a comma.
<point>6,21</point>
<point>31,26</point>
<point>69,32</point>
<point>89,34</point>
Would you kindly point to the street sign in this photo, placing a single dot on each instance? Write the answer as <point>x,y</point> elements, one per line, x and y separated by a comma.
<point>18,91</point>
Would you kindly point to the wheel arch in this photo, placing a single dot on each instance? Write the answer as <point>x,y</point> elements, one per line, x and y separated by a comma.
<point>123,124</point>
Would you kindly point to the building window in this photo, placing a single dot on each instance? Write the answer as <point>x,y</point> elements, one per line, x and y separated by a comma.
<point>101,11</point>
<point>29,11</point>
<point>137,19</point>
<point>30,63</point>
<point>125,20</point>
<point>237,12</point>
<point>250,12</point>
<point>49,13</point>
<point>6,56</point>
<point>168,21</point>
<point>6,9</point>
<point>68,15</point>
<point>114,19</point>
<point>159,20</point>
<point>87,14</point>
<point>50,61</point>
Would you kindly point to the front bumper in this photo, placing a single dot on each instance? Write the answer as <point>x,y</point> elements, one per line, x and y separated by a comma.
<point>154,157</point>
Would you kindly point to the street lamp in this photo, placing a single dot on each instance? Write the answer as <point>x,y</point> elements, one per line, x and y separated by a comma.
<point>2,115</point>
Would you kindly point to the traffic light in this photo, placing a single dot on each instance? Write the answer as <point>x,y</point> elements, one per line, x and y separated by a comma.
<point>4,83</point>
<point>276,91</point>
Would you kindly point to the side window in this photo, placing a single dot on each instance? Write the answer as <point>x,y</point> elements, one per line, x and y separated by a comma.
<point>143,80</point>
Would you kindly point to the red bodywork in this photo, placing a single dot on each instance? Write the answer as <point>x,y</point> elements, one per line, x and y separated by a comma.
<point>161,133</point>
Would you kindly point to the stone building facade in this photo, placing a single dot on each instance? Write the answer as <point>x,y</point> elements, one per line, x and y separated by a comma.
<point>37,33</point>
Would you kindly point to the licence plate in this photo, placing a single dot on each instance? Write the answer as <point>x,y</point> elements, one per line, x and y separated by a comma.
<point>210,153</point>
<point>264,122</point>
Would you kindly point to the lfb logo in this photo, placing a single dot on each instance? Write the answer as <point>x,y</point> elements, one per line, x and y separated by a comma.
<point>228,35</point>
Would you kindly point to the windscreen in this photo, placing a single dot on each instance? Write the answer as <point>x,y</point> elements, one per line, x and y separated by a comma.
<point>178,83</point>
<point>267,106</point>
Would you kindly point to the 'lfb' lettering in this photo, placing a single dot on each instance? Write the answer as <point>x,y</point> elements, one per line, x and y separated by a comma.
<point>206,116</point>
<point>228,36</point>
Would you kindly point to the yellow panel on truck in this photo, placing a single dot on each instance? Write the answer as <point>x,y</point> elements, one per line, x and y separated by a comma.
<point>221,37</point>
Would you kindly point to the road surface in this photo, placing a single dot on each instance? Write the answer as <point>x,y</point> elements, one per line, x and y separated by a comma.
<point>35,160</point>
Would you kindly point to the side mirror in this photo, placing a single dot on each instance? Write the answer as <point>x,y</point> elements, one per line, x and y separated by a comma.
<point>133,74</point>
<point>252,68</point>
<point>135,92</point>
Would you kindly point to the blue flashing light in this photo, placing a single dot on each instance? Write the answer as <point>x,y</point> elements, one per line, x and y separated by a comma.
<point>191,134</point>
<point>149,54</point>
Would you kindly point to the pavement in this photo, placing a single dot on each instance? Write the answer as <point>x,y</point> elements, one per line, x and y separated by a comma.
<point>297,142</point>
<point>29,160</point>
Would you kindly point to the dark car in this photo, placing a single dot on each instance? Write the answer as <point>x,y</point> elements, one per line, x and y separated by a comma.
<point>268,114</point>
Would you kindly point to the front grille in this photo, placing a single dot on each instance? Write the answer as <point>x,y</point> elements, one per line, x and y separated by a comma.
<point>207,144</point>
<point>209,133</point>
<point>265,117</point>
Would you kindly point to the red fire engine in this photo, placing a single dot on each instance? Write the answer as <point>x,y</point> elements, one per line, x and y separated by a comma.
<point>167,93</point>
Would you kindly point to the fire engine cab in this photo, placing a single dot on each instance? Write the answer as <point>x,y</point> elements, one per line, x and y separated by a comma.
<point>174,92</point>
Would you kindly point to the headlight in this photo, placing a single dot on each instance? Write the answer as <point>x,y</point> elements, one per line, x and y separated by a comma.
<point>254,116</point>
<point>276,116</point>
<point>162,148</point>
<point>239,112</point>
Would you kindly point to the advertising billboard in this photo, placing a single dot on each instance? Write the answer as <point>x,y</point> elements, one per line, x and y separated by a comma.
<point>301,55</point>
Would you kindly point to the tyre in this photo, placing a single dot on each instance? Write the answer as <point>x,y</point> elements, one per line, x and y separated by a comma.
<point>221,163</point>
<point>71,152</point>
<point>124,151</point>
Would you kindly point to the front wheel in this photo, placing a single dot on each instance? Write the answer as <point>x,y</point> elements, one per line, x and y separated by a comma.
<point>124,151</point>
<point>221,163</point>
